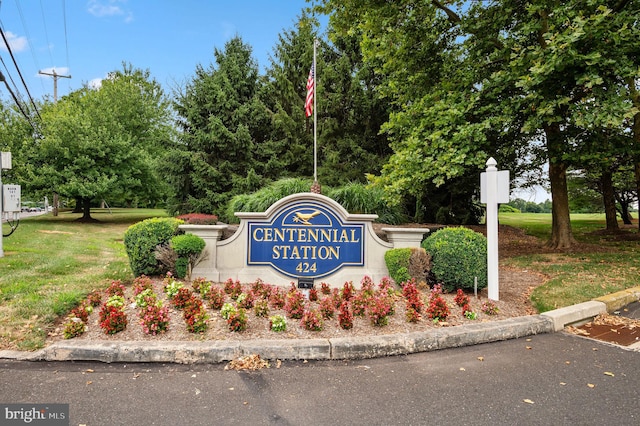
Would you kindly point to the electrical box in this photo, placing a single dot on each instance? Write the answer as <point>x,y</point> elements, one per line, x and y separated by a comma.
<point>10,198</point>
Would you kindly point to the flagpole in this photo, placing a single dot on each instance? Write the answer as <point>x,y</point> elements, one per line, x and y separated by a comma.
<point>315,134</point>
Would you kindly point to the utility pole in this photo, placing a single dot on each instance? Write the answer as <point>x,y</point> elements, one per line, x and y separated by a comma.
<point>55,99</point>
<point>55,82</point>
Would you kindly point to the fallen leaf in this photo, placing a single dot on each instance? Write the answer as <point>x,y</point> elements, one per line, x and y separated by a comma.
<point>462,369</point>
<point>567,362</point>
<point>591,385</point>
<point>480,358</point>
<point>245,403</point>
<point>528,347</point>
<point>88,370</point>
<point>528,401</point>
<point>193,375</point>
<point>197,391</point>
<point>609,373</point>
<point>89,382</point>
<point>562,383</point>
<point>278,363</point>
<point>528,340</point>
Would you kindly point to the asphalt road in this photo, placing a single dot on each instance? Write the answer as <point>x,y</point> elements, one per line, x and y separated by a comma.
<point>549,379</point>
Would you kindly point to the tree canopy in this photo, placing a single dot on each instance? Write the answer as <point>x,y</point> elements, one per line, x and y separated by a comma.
<point>102,143</point>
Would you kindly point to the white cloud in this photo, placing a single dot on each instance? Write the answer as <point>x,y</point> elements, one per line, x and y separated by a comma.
<point>17,44</point>
<point>103,8</point>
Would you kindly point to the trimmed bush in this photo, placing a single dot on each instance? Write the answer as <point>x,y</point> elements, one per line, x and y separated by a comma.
<point>397,261</point>
<point>458,255</point>
<point>187,245</point>
<point>141,240</point>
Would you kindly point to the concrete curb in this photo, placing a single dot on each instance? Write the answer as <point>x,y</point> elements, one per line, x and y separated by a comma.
<point>328,349</point>
<point>288,349</point>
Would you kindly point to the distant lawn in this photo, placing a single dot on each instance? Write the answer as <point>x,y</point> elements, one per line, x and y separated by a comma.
<point>52,263</point>
<point>611,264</point>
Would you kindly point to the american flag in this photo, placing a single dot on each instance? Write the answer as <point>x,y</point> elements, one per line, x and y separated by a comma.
<point>308,103</point>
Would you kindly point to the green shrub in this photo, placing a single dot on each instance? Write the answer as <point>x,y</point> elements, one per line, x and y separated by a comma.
<point>187,245</point>
<point>506,208</point>
<point>397,261</point>
<point>182,267</point>
<point>141,240</point>
<point>458,255</point>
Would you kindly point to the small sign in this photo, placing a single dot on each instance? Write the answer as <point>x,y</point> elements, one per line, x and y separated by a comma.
<point>502,191</point>
<point>5,160</point>
<point>305,283</point>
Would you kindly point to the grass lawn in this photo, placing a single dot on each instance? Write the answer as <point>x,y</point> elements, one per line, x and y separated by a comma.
<point>51,263</point>
<point>603,264</point>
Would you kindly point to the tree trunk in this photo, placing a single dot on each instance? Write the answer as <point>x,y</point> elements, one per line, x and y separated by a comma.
<point>624,212</point>
<point>635,98</point>
<point>609,198</point>
<point>85,204</point>
<point>637,169</point>
<point>561,234</point>
<point>78,207</point>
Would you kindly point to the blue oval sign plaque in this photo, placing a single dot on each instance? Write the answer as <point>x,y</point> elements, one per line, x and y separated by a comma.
<point>305,239</point>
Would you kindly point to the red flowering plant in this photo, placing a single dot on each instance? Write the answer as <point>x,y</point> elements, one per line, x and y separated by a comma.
<point>367,286</point>
<point>260,289</point>
<point>324,288</point>
<point>489,307</point>
<point>112,319</point>
<point>82,312</point>
<point>348,291</point>
<point>413,300</point>
<point>294,303</point>
<point>141,283</point>
<point>379,308</point>
<point>182,297</point>
<point>312,319</point>
<point>115,289</point>
<point>74,327</point>
<point>276,298</point>
<point>198,283</point>
<point>154,319</point>
<point>461,299</point>
<point>95,298</point>
<point>195,315</point>
<point>438,309</point>
<point>327,307</point>
<point>345,317</point>
<point>313,295</point>
<point>359,304</point>
<point>237,320</point>
<point>233,288</point>
<point>215,296</point>
<point>199,218</point>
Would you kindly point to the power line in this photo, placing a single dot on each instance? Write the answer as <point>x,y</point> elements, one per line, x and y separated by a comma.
<point>6,42</point>
<point>15,99</point>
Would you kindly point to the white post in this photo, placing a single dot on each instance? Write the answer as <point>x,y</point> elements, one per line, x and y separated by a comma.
<point>1,208</point>
<point>492,228</point>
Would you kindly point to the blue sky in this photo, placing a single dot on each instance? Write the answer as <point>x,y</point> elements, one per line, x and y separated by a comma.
<point>89,38</point>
